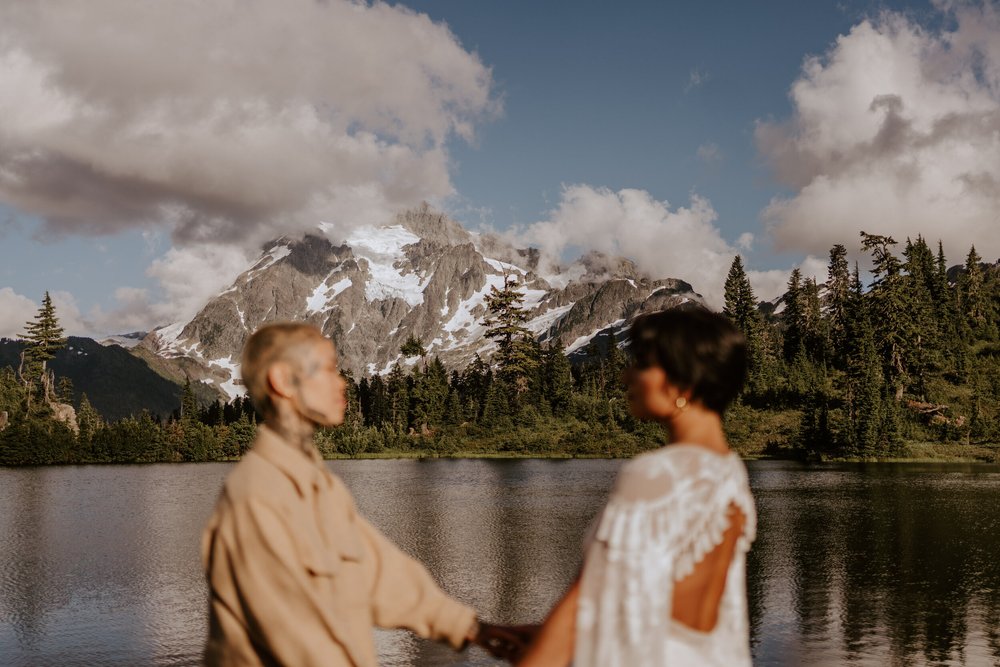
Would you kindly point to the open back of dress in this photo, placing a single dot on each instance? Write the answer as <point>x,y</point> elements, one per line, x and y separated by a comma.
<point>668,509</point>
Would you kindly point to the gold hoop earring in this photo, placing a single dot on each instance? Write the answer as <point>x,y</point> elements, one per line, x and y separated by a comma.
<point>681,402</point>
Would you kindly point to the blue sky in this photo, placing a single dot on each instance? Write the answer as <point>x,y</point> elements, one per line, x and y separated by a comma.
<point>662,98</point>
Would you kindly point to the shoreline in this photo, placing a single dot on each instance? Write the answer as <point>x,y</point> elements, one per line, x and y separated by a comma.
<point>920,453</point>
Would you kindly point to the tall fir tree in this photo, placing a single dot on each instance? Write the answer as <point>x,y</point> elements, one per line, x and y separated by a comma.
<point>864,376</point>
<point>741,309</point>
<point>90,423</point>
<point>517,354</point>
<point>558,382</point>
<point>918,286</point>
<point>814,336</point>
<point>413,347</point>
<point>43,335</point>
<point>189,404</point>
<point>951,327</point>
<point>397,399</point>
<point>430,393</point>
<point>835,300</point>
<point>889,315</point>
<point>972,294</point>
<point>794,317</point>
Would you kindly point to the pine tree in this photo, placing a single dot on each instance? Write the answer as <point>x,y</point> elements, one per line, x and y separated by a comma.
<point>864,376</point>
<point>453,411</point>
<point>941,291</point>
<point>889,310</point>
<point>397,399</point>
<point>376,411</point>
<point>918,286</point>
<point>476,379</point>
<point>413,347</point>
<point>430,392</point>
<point>64,391</point>
<point>814,429</point>
<point>972,293</point>
<point>496,407</point>
<point>558,382</point>
<point>951,328</point>
<point>793,317</point>
<point>741,309</point>
<point>90,422</point>
<point>189,404</point>
<point>814,336</point>
<point>838,288</point>
<point>241,435</point>
<point>517,354</point>
<point>803,318</point>
<point>43,335</point>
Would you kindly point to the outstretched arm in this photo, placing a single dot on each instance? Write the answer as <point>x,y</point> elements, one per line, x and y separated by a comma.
<point>404,595</point>
<point>554,644</point>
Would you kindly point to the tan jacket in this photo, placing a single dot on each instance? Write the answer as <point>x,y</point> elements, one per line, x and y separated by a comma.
<point>297,577</point>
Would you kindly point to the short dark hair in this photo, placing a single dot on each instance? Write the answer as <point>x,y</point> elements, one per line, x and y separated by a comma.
<point>699,350</point>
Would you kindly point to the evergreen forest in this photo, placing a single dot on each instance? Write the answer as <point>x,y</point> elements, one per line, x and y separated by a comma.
<point>905,365</point>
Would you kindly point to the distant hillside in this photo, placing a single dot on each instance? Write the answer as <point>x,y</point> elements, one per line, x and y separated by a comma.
<point>117,383</point>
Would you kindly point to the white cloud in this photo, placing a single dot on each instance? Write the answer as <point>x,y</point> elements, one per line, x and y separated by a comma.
<point>896,130</point>
<point>233,121</point>
<point>696,78</point>
<point>16,310</point>
<point>189,277</point>
<point>679,243</point>
<point>769,285</point>
<point>817,268</point>
<point>745,241</point>
<point>710,153</point>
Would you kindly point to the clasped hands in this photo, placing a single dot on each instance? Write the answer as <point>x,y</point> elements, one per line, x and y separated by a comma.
<point>508,642</point>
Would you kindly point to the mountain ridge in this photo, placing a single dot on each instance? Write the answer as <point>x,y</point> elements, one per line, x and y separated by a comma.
<point>422,274</point>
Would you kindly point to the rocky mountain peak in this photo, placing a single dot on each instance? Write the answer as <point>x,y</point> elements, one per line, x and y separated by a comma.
<point>600,266</point>
<point>421,275</point>
<point>433,226</point>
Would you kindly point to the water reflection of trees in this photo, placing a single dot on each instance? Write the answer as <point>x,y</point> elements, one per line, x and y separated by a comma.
<point>503,536</point>
<point>885,564</point>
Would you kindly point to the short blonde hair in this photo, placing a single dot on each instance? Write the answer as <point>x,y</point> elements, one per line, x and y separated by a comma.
<point>271,343</point>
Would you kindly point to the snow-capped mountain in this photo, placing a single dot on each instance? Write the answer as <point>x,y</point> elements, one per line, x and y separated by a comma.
<point>421,275</point>
<point>126,340</point>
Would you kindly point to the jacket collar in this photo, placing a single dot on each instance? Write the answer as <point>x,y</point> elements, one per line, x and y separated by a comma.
<point>305,470</point>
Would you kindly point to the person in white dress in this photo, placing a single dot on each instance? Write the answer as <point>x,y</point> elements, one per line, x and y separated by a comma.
<point>663,580</point>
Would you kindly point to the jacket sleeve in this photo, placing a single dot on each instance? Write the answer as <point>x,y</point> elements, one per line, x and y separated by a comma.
<point>404,594</point>
<point>253,568</point>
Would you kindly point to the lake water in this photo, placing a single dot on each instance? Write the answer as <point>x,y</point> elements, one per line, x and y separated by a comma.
<point>862,564</point>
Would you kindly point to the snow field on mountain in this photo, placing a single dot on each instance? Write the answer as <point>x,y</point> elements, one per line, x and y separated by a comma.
<point>322,297</point>
<point>382,248</point>
<point>230,386</point>
<point>584,340</point>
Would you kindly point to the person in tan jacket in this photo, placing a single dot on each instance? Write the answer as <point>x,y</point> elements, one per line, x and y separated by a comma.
<point>296,575</point>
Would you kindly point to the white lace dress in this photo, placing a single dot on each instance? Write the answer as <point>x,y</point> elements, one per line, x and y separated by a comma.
<point>668,509</point>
